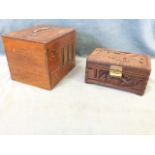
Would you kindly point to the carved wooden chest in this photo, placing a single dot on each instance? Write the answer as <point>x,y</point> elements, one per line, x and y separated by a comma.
<point>41,55</point>
<point>122,70</point>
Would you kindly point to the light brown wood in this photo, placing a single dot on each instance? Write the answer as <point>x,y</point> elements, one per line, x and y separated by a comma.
<point>41,55</point>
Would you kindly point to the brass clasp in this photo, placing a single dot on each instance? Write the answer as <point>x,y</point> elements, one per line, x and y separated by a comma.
<point>115,71</point>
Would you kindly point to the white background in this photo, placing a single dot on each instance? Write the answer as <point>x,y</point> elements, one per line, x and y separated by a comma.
<point>27,145</point>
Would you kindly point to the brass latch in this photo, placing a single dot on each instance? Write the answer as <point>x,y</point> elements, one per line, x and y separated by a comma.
<point>115,71</point>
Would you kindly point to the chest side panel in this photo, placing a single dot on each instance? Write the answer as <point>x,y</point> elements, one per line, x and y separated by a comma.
<point>61,56</point>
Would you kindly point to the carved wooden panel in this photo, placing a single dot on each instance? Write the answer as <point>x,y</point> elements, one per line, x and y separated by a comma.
<point>135,70</point>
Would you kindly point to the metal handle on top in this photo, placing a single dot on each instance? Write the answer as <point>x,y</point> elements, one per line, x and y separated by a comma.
<point>40,29</point>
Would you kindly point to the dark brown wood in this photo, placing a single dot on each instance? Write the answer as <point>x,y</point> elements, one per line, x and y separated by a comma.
<point>123,70</point>
<point>41,55</point>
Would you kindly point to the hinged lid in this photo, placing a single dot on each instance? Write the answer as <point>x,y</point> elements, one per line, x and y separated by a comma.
<point>40,33</point>
<point>118,62</point>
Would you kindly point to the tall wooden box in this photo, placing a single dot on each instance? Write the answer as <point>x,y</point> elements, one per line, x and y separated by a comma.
<point>122,70</point>
<point>41,55</point>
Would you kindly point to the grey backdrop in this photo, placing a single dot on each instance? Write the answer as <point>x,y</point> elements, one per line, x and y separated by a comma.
<point>129,35</point>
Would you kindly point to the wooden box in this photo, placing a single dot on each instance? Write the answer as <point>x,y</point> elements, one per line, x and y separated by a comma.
<point>41,55</point>
<point>122,70</point>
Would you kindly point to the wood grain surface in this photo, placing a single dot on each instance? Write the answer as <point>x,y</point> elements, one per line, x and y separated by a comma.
<point>41,55</point>
<point>136,69</point>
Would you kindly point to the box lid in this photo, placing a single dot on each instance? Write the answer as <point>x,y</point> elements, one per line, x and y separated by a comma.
<point>130,62</point>
<point>40,33</point>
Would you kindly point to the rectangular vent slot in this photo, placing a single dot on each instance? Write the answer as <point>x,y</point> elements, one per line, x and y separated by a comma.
<point>63,56</point>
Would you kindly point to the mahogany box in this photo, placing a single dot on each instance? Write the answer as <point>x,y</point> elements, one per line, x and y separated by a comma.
<point>122,70</point>
<point>41,55</point>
